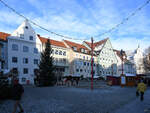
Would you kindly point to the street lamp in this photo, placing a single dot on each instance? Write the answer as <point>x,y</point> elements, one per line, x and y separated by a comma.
<point>91,63</point>
<point>123,79</point>
<point>121,53</point>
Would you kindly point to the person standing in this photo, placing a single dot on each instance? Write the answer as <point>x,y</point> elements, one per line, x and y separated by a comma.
<point>141,88</point>
<point>17,92</point>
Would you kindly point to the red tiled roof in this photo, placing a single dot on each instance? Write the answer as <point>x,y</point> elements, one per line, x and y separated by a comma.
<point>96,43</point>
<point>53,42</point>
<point>3,36</point>
<point>78,46</point>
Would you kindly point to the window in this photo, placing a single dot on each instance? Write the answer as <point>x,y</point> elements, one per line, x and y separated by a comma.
<point>93,72</point>
<point>64,60</point>
<point>52,51</point>
<point>15,70</point>
<point>83,57</point>
<point>60,52</point>
<point>88,64</point>
<point>25,71</point>
<point>35,61</point>
<point>85,63</point>
<point>64,53</point>
<point>35,50</point>
<point>14,59</point>
<point>85,51</point>
<point>77,70</point>
<point>74,48</point>
<point>35,71</point>
<point>25,60</point>
<point>63,69</point>
<point>26,27</point>
<point>23,79</point>
<point>100,72</point>
<point>14,47</point>
<point>30,37</point>
<point>82,50</point>
<point>25,49</point>
<point>22,36</point>
<point>80,70</point>
<point>56,52</point>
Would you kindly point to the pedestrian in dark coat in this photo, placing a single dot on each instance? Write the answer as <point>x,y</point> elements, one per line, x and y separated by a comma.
<point>17,92</point>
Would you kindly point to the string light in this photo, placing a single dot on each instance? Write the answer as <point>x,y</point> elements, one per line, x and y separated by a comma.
<point>57,34</point>
<point>67,37</point>
<point>125,19</point>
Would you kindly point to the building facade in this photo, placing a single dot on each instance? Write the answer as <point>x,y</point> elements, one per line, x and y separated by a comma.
<point>124,66</point>
<point>106,58</point>
<point>137,58</point>
<point>21,52</point>
<point>80,60</point>
<point>24,48</point>
<point>60,54</point>
<point>3,51</point>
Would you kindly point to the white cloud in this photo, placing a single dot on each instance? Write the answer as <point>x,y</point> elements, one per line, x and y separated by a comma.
<point>130,43</point>
<point>71,18</point>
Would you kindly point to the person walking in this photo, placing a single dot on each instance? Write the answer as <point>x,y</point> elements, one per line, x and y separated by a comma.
<point>17,92</point>
<point>141,88</point>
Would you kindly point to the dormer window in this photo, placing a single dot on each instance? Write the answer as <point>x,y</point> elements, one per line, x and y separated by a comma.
<point>82,50</point>
<point>26,27</point>
<point>74,48</point>
<point>31,37</point>
<point>85,51</point>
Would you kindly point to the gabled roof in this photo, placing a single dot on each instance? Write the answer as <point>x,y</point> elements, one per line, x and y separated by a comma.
<point>120,56</point>
<point>96,43</point>
<point>78,46</point>
<point>53,42</point>
<point>3,36</point>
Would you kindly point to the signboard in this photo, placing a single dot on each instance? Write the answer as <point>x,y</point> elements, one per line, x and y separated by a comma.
<point>123,80</point>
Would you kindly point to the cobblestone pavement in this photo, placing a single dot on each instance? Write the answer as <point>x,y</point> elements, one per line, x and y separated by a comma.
<point>75,100</point>
<point>137,106</point>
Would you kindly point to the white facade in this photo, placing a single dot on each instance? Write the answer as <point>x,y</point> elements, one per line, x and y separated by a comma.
<point>128,67</point>
<point>24,49</point>
<point>61,63</point>
<point>106,58</point>
<point>82,65</point>
<point>138,60</point>
<point>137,57</point>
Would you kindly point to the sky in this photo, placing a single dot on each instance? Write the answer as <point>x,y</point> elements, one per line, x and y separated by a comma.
<point>83,19</point>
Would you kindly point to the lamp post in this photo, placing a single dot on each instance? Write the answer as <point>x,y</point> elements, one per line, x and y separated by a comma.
<point>121,52</point>
<point>91,63</point>
<point>123,78</point>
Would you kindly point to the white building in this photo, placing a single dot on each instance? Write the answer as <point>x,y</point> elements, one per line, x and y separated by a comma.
<point>80,60</point>
<point>137,57</point>
<point>24,48</point>
<point>106,58</point>
<point>128,67</point>
<point>60,54</point>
